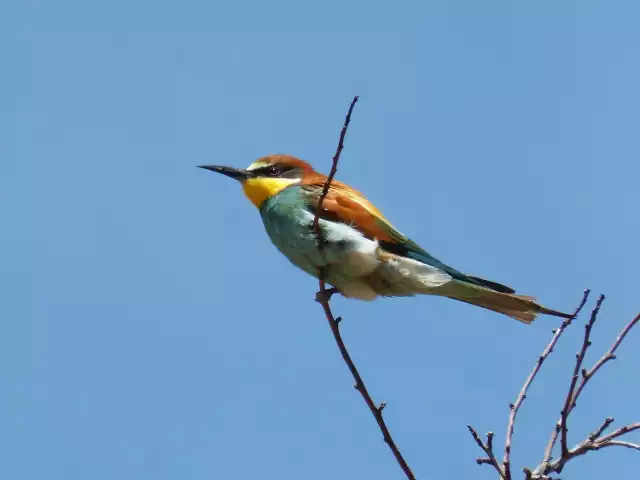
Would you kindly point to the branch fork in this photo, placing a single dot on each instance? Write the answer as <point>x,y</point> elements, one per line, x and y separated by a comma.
<point>579,379</point>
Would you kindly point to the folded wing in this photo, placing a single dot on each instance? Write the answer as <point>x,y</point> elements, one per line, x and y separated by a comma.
<point>346,205</point>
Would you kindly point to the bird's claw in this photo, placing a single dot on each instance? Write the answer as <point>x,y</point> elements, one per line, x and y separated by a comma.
<point>323,296</point>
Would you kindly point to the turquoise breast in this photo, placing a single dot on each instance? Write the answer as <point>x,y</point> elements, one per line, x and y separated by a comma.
<point>348,258</point>
<point>289,224</point>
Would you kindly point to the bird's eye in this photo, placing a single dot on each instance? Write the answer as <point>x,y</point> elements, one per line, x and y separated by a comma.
<point>274,170</point>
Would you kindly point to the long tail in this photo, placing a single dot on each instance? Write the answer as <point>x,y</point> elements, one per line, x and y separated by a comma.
<point>520,307</point>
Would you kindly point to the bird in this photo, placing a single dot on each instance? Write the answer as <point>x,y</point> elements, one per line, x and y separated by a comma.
<point>362,255</point>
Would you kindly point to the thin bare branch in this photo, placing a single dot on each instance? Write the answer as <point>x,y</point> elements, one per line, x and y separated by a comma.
<point>589,444</point>
<point>570,401</point>
<point>324,296</point>
<point>488,450</point>
<point>596,433</point>
<point>621,443</point>
<point>506,462</point>
<point>619,432</point>
<point>572,397</point>
<point>610,355</point>
<point>548,453</point>
<point>595,440</point>
<point>332,173</point>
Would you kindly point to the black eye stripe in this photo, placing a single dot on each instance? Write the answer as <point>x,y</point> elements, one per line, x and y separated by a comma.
<point>277,171</point>
<point>270,171</point>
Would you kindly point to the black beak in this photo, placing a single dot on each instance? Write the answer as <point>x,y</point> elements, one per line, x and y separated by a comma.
<point>236,173</point>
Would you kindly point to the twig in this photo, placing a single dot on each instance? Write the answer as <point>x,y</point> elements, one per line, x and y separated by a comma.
<point>619,432</point>
<point>570,402</point>
<point>572,397</point>
<point>332,173</point>
<point>552,441</point>
<point>610,355</point>
<point>506,462</point>
<point>324,296</point>
<point>488,450</point>
<point>360,386</point>
<point>596,433</point>
<point>594,440</point>
<point>588,445</point>
<point>621,443</point>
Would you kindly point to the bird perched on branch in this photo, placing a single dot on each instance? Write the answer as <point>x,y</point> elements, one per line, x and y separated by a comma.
<point>363,256</point>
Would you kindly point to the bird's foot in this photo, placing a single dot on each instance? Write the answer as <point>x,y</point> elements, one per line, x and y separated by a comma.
<point>325,296</point>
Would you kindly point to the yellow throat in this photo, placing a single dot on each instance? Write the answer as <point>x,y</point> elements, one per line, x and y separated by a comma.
<point>261,188</point>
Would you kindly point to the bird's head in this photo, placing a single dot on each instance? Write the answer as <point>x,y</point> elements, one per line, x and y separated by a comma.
<point>266,176</point>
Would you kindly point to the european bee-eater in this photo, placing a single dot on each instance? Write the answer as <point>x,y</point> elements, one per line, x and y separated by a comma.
<point>363,255</point>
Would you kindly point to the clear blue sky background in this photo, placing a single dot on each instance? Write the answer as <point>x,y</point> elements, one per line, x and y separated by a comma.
<point>151,331</point>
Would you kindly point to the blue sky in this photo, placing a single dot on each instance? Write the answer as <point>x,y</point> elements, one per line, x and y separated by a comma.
<point>151,331</point>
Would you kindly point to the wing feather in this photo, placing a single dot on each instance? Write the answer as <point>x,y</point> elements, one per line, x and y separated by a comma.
<point>346,205</point>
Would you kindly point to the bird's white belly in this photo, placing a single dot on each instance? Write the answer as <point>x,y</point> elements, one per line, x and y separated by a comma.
<point>350,252</point>
<point>347,257</point>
